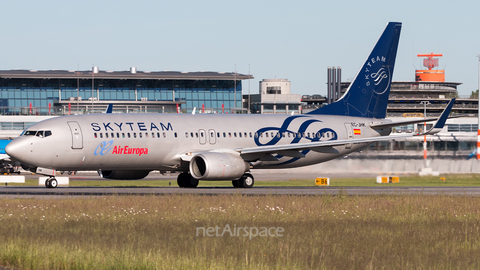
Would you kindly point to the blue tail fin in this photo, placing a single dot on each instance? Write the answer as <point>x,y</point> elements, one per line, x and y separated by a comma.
<point>368,94</point>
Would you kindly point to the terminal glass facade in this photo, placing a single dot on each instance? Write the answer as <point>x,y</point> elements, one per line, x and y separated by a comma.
<point>26,95</point>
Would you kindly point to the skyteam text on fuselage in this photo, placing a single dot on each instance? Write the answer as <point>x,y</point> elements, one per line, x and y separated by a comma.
<point>219,146</point>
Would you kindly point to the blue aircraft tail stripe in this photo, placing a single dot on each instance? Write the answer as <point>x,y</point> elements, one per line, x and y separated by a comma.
<point>368,94</point>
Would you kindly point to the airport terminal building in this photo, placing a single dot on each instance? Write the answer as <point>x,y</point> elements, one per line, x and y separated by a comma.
<point>60,92</point>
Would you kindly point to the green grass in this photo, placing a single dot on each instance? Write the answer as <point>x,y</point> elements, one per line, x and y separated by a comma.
<point>320,232</point>
<point>412,180</point>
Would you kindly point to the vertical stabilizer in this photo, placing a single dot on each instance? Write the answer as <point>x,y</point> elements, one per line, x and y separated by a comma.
<point>368,94</point>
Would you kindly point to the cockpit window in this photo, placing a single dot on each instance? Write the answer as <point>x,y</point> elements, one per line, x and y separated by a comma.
<point>30,133</point>
<point>39,133</point>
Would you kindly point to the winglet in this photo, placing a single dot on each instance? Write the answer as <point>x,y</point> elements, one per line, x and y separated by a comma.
<point>438,126</point>
<point>109,108</point>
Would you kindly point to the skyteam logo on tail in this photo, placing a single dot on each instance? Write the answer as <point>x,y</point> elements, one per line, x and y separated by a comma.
<point>377,73</point>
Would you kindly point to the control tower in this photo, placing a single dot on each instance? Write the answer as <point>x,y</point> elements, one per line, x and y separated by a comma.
<point>430,74</point>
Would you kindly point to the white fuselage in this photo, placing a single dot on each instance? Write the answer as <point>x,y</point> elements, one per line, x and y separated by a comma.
<point>159,141</point>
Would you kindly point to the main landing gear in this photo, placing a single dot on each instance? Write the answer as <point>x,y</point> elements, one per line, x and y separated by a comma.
<point>246,181</point>
<point>186,180</point>
<point>51,182</point>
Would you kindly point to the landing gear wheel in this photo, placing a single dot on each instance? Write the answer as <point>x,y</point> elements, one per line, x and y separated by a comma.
<point>186,180</point>
<point>51,183</point>
<point>236,184</point>
<point>182,179</point>
<point>246,181</point>
<point>192,182</point>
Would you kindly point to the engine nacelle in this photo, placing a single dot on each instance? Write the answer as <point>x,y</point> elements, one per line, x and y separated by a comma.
<point>123,175</point>
<point>217,166</point>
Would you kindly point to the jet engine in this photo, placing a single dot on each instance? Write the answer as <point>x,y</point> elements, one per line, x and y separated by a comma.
<point>217,166</point>
<point>123,175</point>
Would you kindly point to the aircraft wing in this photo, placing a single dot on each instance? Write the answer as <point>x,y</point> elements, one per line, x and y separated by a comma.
<point>322,146</point>
<point>316,146</point>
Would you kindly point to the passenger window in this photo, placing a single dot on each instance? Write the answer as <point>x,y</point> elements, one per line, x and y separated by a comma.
<point>164,135</point>
<point>175,133</point>
<point>186,134</point>
<point>245,134</point>
<point>134,135</point>
<point>250,134</point>
<point>106,135</point>
<point>146,135</point>
<point>229,134</point>
<point>118,135</point>
<point>95,135</point>
<point>128,135</point>
<point>266,134</point>
<point>123,135</point>
<point>140,135</point>
<point>113,135</point>
<point>235,134</point>
<point>239,134</point>
<point>191,134</point>
<point>224,135</point>
<point>158,134</point>
<point>256,135</point>
<point>218,134</point>
<point>153,134</point>
<point>101,135</point>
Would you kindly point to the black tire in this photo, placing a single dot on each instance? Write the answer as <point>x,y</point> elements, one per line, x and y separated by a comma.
<point>183,179</point>
<point>192,182</point>
<point>236,184</point>
<point>247,181</point>
<point>53,183</point>
<point>47,183</point>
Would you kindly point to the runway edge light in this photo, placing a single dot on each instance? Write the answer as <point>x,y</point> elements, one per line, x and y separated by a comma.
<point>322,181</point>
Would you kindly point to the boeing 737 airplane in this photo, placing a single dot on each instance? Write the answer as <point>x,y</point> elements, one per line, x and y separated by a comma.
<point>220,146</point>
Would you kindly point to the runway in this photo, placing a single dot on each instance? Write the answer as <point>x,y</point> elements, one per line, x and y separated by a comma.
<point>42,192</point>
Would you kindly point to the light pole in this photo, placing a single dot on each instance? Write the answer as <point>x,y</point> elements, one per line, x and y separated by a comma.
<point>425,103</point>
<point>478,126</point>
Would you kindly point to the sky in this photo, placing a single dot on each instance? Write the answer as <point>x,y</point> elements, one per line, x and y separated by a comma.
<point>294,40</point>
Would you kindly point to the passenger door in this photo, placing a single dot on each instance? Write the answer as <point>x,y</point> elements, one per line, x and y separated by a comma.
<point>77,138</point>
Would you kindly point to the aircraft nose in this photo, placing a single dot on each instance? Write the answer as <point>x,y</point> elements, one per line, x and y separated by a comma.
<point>16,149</point>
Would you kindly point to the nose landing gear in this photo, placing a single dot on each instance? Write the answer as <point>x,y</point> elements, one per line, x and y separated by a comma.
<point>51,182</point>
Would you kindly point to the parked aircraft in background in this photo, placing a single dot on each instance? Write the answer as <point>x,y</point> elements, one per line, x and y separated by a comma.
<point>216,146</point>
<point>6,164</point>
